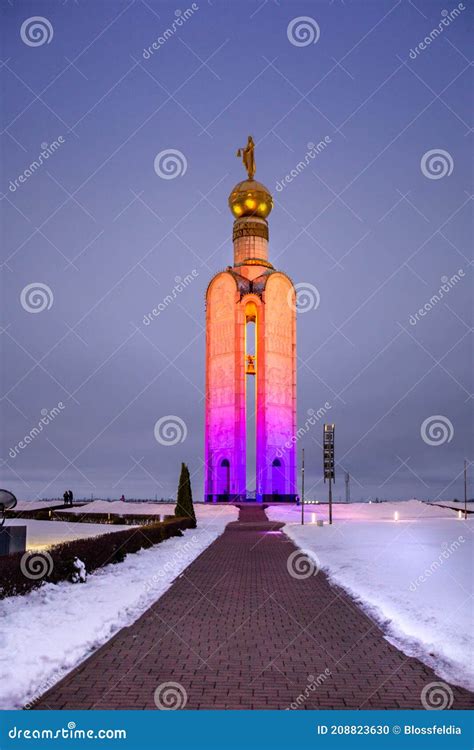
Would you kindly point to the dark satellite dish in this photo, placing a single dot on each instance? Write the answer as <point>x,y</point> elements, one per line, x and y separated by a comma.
<point>7,502</point>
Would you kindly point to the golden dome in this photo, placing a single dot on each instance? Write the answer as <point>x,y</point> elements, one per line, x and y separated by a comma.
<point>250,198</point>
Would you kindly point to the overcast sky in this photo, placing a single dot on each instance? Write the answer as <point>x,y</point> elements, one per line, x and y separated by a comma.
<point>375,222</point>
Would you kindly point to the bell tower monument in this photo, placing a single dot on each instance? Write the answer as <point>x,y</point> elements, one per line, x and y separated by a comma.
<point>250,297</point>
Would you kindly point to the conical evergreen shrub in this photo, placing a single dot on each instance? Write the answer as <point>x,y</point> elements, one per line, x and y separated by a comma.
<point>184,503</point>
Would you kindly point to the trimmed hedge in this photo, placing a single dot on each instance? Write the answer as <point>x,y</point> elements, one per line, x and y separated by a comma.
<point>95,552</point>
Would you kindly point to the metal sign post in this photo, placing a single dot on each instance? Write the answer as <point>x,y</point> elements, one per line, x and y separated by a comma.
<point>302,488</point>
<point>328,460</point>
<point>465,489</point>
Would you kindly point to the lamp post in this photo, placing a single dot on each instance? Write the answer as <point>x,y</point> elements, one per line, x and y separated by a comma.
<point>465,489</point>
<point>302,487</point>
<point>328,460</point>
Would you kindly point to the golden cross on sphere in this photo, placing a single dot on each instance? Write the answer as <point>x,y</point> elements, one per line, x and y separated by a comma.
<point>248,158</point>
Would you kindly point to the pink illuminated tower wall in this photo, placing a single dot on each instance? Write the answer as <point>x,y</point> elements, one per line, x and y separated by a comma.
<point>250,291</point>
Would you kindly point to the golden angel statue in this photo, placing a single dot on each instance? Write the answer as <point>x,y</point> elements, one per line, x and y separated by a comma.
<point>248,158</point>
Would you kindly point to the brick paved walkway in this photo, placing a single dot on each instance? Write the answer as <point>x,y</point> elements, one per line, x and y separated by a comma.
<point>237,631</point>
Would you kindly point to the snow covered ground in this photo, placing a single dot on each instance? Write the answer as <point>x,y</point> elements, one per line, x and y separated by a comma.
<point>123,508</point>
<point>43,534</point>
<point>46,633</point>
<point>414,575</point>
<point>36,505</point>
<point>456,506</point>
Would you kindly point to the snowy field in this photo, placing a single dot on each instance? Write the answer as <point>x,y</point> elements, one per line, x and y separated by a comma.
<point>43,534</point>
<point>46,633</point>
<point>414,575</point>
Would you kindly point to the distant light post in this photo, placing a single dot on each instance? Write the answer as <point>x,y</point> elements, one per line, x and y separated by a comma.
<point>328,460</point>
<point>302,487</point>
<point>465,489</point>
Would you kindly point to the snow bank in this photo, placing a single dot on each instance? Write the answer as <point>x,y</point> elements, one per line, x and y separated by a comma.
<point>48,632</point>
<point>414,575</point>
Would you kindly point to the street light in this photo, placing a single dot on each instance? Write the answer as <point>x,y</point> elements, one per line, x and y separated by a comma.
<point>302,487</point>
